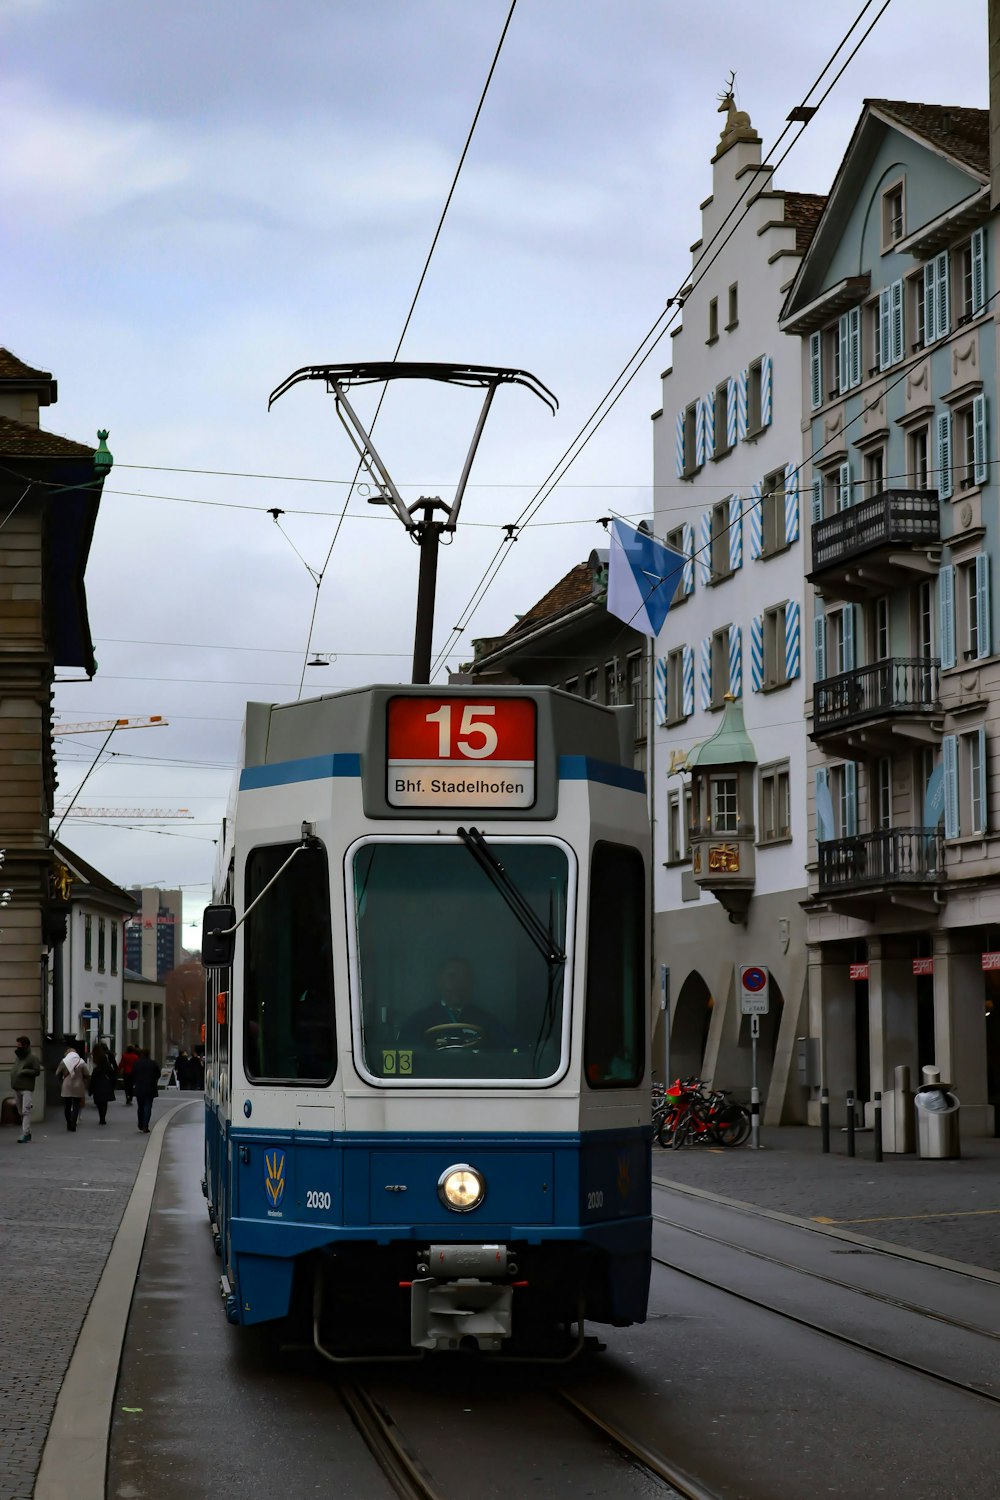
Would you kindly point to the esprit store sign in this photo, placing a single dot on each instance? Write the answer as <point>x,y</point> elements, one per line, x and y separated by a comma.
<point>460,752</point>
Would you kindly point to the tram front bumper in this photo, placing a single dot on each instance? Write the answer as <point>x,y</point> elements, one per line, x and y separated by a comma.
<point>465,1299</point>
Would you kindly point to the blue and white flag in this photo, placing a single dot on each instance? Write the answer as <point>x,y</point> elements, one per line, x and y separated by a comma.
<point>643,575</point>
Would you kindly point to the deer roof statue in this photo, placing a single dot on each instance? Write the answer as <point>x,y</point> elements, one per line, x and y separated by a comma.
<point>737,126</point>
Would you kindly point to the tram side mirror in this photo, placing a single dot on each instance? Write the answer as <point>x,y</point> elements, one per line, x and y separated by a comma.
<point>217,942</point>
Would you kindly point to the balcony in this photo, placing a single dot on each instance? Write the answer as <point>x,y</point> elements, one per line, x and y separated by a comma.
<point>864,547</point>
<point>870,706</point>
<point>897,863</point>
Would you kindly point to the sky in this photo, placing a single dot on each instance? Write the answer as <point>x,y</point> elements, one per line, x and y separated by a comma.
<point>196,200</point>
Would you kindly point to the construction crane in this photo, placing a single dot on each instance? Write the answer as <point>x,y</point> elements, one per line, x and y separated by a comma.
<point>142,721</point>
<point>154,814</point>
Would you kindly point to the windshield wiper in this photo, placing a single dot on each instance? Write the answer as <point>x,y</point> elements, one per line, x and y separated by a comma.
<point>542,937</point>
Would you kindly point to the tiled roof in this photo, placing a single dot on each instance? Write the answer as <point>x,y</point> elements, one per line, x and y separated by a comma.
<point>804,211</point>
<point>962,132</point>
<point>576,588</point>
<point>12,368</point>
<point>19,440</point>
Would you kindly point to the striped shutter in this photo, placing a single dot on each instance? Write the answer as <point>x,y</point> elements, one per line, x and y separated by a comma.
<point>943,421</point>
<point>661,690</point>
<point>978,271</point>
<point>884,329</point>
<point>792,641</point>
<point>706,672</point>
<point>819,644</point>
<point>824,831</point>
<point>949,756</point>
<point>848,647</point>
<point>942,320</point>
<point>679,445</point>
<point>980,446</point>
<point>687,545</point>
<point>854,337</point>
<point>817,500</point>
<point>930,302</point>
<point>687,683</point>
<point>766,390</point>
<point>699,428</point>
<point>982,783</point>
<point>983,606</point>
<point>850,772</point>
<point>756,653</point>
<point>791,503</point>
<point>844,487</point>
<point>755,518</point>
<point>815,370</point>
<point>708,407</point>
<point>705,547</point>
<point>731,420</point>
<point>742,407</point>
<point>735,533</point>
<point>946,615</point>
<point>896,323</point>
<point>736,661</point>
<point>843,338</point>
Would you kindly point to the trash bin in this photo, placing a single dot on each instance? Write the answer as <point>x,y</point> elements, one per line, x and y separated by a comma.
<point>936,1109</point>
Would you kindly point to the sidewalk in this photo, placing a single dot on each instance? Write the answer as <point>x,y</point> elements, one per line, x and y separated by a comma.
<point>62,1197</point>
<point>944,1208</point>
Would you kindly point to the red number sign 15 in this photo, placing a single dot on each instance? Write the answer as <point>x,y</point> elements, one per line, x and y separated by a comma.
<point>476,737</point>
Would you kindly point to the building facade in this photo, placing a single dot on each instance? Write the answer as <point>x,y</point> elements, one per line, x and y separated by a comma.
<point>727,447</point>
<point>893,312</point>
<point>87,974</point>
<point>153,937</point>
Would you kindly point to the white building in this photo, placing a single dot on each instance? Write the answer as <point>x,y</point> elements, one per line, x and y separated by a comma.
<point>727,448</point>
<point>87,973</point>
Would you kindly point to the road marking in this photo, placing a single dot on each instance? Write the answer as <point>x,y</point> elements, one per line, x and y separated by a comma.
<point>959,1213</point>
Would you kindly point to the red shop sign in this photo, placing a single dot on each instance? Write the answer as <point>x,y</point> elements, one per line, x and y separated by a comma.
<point>991,960</point>
<point>923,966</point>
<point>858,971</point>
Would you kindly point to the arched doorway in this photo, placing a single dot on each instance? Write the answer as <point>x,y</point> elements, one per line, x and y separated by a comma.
<point>692,1017</point>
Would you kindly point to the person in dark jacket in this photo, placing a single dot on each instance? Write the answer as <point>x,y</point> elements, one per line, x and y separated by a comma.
<point>102,1081</point>
<point>22,1080</point>
<point>145,1086</point>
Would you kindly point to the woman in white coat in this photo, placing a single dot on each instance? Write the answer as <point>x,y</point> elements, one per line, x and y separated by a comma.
<point>74,1074</point>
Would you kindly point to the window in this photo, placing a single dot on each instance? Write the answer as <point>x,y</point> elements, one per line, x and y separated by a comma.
<point>720,666</point>
<point>918,462</point>
<point>775,822</point>
<point>881,632</point>
<point>713,319</point>
<point>893,216</point>
<point>675,686</point>
<point>873,336</point>
<point>882,794</point>
<point>755,392</point>
<point>88,942</point>
<point>451,985</point>
<point>573,685</point>
<point>831,338</point>
<point>725,815</point>
<point>889,333</point>
<point>721,419</point>
<point>734,306</point>
<point>917,310</point>
<point>937,298</point>
<point>637,691</point>
<point>288,1031</point>
<point>772,513</point>
<point>677,827</point>
<point>964,449</point>
<point>844,793</point>
<point>963,283</point>
<point>679,541</point>
<point>590,686</point>
<point>691,424</point>
<point>972,750</point>
<point>101,945</point>
<point>114,947</point>
<point>614,1053</point>
<point>774,647</point>
<point>611,683</point>
<point>720,553</point>
<point>973,591</point>
<point>849,368</point>
<point>874,472</point>
<point>925,620</point>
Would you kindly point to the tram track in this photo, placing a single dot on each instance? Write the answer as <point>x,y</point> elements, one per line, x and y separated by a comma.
<point>637,1452</point>
<point>387,1445</point>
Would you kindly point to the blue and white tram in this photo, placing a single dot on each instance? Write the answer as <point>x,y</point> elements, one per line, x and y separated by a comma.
<point>427,1079</point>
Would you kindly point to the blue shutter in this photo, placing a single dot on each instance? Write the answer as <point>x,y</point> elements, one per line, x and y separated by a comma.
<point>815,370</point>
<point>735,533</point>
<point>854,335</point>
<point>943,420</point>
<point>949,756</point>
<point>930,302</point>
<point>817,500</point>
<point>742,408</point>
<point>844,342</point>
<point>708,406</point>
<point>687,680</point>
<point>848,648</point>
<point>705,547</point>
<point>755,516</point>
<point>946,615</point>
<point>943,319</point>
<point>896,320</point>
<point>791,503</point>
<point>983,782</point>
<point>736,661</point>
<point>687,546</point>
<point>824,821</point>
<point>661,690</point>
<point>850,770</point>
<point>706,672</point>
<point>983,609</point>
<point>819,644</point>
<point>766,390</point>
<point>978,271</point>
<point>884,329</point>
<point>756,652</point>
<point>731,409</point>
<point>699,428</point>
<point>679,445</point>
<point>845,490</point>
<point>980,445</point>
<point>792,650</point>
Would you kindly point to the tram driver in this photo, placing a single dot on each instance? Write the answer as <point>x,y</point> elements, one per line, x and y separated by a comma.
<point>452,1020</point>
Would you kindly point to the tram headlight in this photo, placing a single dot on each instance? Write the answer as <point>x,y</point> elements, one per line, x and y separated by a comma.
<point>461,1188</point>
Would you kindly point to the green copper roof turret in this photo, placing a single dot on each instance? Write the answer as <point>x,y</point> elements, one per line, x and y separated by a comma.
<point>730,745</point>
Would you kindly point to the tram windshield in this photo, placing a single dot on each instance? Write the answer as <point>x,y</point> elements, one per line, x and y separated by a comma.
<point>453,985</point>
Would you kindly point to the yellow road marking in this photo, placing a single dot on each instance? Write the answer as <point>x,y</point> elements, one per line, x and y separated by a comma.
<point>964,1213</point>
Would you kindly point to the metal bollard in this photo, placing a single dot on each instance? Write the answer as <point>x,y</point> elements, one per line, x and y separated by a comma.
<point>850,1122</point>
<point>755,1119</point>
<point>877,1122</point>
<point>824,1119</point>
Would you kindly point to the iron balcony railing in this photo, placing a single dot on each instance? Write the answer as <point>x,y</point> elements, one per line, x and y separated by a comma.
<point>896,685</point>
<point>892,856</point>
<point>895,517</point>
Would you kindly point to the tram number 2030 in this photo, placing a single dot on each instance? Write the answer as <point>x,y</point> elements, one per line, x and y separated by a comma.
<point>316,1199</point>
<point>595,1199</point>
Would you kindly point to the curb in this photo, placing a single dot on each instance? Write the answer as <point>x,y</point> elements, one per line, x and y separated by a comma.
<point>75,1457</point>
<point>960,1267</point>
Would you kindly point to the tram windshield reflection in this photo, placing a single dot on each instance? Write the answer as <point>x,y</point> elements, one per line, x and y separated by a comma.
<point>452,985</point>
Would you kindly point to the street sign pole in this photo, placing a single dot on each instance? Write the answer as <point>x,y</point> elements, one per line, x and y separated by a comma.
<point>755,1000</point>
<point>754,1090</point>
<point>665,1011</point>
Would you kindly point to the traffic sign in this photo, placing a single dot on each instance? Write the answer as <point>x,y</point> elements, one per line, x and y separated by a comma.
<point>754,1027</point>
<point>754,990</point>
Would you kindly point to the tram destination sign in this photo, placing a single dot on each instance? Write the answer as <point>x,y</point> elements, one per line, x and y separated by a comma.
<point>460,752</point>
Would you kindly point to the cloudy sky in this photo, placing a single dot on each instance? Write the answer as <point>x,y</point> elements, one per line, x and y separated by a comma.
<point>198,199</point>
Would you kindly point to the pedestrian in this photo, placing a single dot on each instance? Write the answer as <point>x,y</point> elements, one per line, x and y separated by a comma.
<point>102,1082</point>
<point>145,1081</point>
<point>22,1080</point>
<point>74,1074</point>
<point>125,1067</point>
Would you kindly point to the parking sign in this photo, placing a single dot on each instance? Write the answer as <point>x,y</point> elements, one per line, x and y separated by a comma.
<point>754,990</point>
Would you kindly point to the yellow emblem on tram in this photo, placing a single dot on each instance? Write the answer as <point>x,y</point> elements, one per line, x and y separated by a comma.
<point>274,1176</point>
